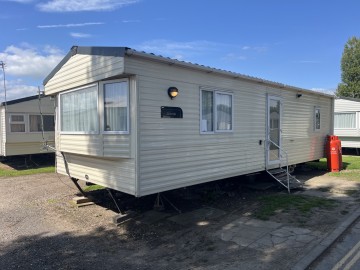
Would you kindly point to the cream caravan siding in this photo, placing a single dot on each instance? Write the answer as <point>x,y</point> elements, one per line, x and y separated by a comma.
<point>84,69</point>
<point>173,153</point>
<point>2,132</point>
<point>344,105</point>
<point>118,174</point>
<point>350,137</point>
<point>26,142</point>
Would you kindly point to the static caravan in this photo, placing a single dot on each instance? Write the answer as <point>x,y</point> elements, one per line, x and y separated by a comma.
<point>21,125</point>
<point>142,124</point>
<point>347,121</point>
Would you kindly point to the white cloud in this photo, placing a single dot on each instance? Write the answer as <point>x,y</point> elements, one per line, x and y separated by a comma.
<point>178,50</point>
<point>80,35</point>
<point>17,89</point>
<point>131,21</point>
<point>330,91</point>
<point>233,57</point>
<point>26,61</point>
<point>70,25</point>
<point>88,5</point>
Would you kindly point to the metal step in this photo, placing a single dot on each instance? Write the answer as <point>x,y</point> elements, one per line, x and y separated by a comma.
<point>281,175</point>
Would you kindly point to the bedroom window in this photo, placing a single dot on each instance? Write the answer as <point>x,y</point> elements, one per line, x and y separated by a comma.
<point>17,123</point>
<point>345,120</point>
<point>35,123</point>
<point>79,111</point>
<point>216,111</point>
<point>116,107</point>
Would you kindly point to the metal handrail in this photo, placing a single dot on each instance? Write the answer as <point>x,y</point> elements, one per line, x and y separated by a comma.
<point>287,161</point>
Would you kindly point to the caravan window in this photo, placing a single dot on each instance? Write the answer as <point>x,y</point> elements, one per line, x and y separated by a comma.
<point>35,123</point>
<point>116,107</point>
<point>216,107</point>
<point>317,119</point>
<point>79,110</point>
<point>17,123</point>
<point>345,120</point>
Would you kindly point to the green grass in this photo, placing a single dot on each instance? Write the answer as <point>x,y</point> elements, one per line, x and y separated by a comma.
<point>4,172</point>
<point>93,188</point>
<point>349,175</point>
<point>349,163</point>
<point>272,204</point>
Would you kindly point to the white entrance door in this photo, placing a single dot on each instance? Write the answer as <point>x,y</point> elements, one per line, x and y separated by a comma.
<point>274,112</point>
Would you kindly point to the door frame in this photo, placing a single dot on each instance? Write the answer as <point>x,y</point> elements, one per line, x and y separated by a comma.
<point>273,163</point>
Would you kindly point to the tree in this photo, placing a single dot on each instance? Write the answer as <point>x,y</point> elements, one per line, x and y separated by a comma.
<point>350,70</point>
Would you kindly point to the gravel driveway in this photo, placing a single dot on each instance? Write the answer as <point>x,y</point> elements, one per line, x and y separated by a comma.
<point>41,229</point>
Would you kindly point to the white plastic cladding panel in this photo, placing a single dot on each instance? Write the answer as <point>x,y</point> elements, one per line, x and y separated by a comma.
<point>84,69</point>
<point>348,106</point>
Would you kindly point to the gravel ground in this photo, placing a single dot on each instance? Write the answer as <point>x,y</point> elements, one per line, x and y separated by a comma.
<point>41,229</point>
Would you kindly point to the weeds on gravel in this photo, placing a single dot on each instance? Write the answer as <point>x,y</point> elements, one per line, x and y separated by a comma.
<point>272,204</point>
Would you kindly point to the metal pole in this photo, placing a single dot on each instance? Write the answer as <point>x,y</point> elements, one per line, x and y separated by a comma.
<point>2,64</point>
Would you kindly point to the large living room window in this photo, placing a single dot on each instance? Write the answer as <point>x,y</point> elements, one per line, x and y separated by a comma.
<point>79,110</point>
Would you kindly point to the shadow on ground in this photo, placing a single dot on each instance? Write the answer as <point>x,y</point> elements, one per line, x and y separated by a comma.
<point>25,162</point>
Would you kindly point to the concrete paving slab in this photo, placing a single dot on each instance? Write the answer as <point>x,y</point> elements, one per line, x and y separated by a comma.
<point>197,216</point>
<point>259,234</point>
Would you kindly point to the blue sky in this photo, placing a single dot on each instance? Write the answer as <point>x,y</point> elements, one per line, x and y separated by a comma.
<point>298,42</point>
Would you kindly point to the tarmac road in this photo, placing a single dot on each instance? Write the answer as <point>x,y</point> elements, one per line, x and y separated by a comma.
<point>343,254</point>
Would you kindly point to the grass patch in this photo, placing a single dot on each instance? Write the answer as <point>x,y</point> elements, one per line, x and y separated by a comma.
<point>4,172</point>
<point>349,175</point>
<point>272,204</point>
<point>93,188</point>
<point>349,163</point>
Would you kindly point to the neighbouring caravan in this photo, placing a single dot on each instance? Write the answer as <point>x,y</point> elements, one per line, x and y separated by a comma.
<point>20,125</point>
<point>142,124</point>
<point>347,121</point>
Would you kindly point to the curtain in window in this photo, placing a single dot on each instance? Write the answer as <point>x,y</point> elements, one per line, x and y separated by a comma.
<point>223,111</point>
<point>116,106</point>
<point>345,120</point>
<point>35,123</point>
<point>17,123</point>
<point>207,100</point>
<point>17,127</point>
<point>79,110</point>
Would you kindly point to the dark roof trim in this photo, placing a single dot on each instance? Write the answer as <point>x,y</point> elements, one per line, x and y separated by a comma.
<point>122,51</point>
<point>16,101</point>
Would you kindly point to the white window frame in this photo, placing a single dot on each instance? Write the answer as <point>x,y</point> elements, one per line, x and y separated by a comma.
<point>214,119</point>
<point>315,109</point>
<point>40,116</point>
<point>18,122</point>
<point>102,107</point>
<point>97,105</point>
<point>356,120</point>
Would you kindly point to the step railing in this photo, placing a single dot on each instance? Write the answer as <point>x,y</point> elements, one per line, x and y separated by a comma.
<point>281,152</point>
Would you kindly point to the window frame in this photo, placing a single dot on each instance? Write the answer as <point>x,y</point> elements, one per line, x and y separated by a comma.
<point>102,106</point>
<point>315,110</point>
<point>356,120</point>
<point>97,111</point>
<point>214,111</point>
<point>18,122</point>
<point>37,114</point>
